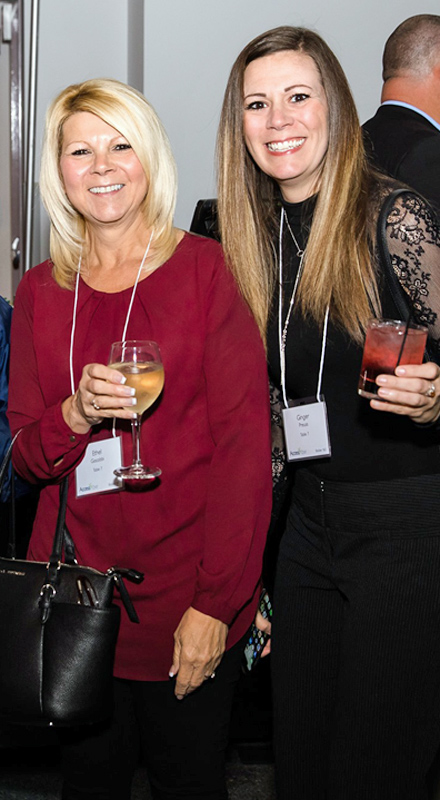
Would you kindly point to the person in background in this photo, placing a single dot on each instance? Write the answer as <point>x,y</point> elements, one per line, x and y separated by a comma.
<point>355,645</point>
<point>403,137</point>
<point>118,264</point>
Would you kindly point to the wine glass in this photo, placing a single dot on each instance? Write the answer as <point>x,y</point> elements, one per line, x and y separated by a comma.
<point>141,364</point>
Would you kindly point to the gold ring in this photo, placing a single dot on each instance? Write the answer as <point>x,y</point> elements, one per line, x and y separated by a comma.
<point>431,391</point>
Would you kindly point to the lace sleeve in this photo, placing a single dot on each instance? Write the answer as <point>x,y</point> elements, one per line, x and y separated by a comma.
<point>413,238</point>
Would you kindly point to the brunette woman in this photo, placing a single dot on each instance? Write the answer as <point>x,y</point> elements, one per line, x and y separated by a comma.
<point>356,645</point>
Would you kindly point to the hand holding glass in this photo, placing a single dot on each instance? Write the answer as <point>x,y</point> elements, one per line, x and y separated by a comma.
<point>388,343</point>
<point>141,364</point>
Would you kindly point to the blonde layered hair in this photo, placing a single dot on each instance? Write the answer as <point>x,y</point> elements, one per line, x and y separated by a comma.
<point>126,110</point>
<point>338,268</point>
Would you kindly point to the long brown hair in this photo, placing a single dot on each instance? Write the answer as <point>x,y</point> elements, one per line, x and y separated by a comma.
<point>338,268</point>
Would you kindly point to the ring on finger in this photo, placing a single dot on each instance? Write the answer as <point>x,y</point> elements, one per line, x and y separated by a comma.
<point>96,406</point>
<point>431,391</point>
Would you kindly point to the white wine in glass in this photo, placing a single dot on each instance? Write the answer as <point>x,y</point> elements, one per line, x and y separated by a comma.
<point>141,364</point>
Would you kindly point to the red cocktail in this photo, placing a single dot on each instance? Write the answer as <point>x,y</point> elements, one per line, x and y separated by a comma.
<point>383,346</point>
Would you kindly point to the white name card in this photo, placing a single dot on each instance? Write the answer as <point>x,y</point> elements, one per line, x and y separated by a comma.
<point>306,429</point>
<point>95,473</point>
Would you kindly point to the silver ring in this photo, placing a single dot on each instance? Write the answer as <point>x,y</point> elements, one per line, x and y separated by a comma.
<point>431,391</point>
<point>95,405</point>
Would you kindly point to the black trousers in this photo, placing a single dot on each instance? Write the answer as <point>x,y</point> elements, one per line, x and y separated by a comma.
<point>182,742</point>
<point>356,641</point>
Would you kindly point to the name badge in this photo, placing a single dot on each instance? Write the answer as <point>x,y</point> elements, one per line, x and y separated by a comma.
<point>306,429</point>
<point>95,472</point>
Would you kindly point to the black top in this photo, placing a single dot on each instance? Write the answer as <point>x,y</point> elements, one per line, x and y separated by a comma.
<point>366,445</point>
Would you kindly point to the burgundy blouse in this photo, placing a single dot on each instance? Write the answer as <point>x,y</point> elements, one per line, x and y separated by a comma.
<point>198,534</point>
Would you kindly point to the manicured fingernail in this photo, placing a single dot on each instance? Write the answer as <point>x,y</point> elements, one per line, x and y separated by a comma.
<point>381,380</point>
<point>401,371</point>
<point>385,393</point>
<point>129,391</point>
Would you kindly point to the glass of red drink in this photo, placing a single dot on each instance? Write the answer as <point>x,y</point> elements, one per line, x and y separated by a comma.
<point>383,351</point>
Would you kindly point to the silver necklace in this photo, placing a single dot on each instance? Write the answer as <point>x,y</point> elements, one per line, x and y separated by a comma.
<point>282,329</point>
<point>299,251</point>
<point>300,254</point>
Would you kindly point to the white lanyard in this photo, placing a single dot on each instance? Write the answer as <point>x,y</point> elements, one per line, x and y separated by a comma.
<point>75,308</point>
<point>282,330</point>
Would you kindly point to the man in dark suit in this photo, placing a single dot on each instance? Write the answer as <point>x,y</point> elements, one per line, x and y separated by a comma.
<point>403,138</point>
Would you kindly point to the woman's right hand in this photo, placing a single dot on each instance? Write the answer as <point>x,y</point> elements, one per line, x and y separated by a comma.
<point>413,391</point>
<point>264,625</point>
<point>101,394</point>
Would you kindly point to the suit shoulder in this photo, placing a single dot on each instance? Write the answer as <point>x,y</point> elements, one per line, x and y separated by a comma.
<point>400,122</point>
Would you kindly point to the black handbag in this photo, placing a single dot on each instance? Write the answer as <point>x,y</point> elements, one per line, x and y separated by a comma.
<point>58,632</point>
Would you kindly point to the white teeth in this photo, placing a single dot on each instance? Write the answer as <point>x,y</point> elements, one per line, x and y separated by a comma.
<point>280,147</point>
<point>105,189</point>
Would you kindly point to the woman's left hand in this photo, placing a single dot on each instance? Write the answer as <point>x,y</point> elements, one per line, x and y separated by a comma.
<point>199,644</point>
<point>413,391</point>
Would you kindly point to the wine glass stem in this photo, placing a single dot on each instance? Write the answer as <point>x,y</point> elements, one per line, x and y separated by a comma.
<point>136,434</point>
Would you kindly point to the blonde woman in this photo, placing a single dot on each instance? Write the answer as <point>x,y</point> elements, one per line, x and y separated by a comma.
<point>355,650</point>
<point>119,269</point>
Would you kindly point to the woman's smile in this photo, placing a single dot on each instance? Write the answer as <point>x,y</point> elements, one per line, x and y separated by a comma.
<point>115,187</point>
<point>103,177</point>
<point>285,121</point>
<point>285,147</point>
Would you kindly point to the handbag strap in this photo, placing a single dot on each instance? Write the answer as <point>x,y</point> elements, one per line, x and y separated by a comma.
<point>61,529</point>
<point>5,463</point>
<point>58,540</point>
<point>11,546</point>
<point>63,539</point>
<point>402,301</point>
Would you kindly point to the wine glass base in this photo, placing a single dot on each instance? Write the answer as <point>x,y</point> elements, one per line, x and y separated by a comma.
<point>138,473</point>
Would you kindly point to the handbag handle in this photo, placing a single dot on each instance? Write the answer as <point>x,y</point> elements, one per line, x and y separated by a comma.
<point>403,302</point>
<point>12,541</point>
<point>61,530</point>
<point>57,547</point>
<point>62,538</point>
